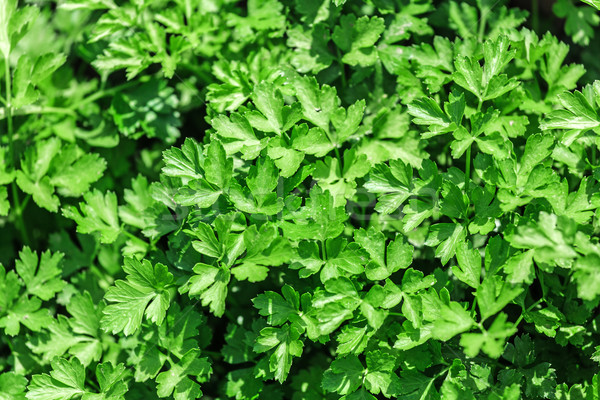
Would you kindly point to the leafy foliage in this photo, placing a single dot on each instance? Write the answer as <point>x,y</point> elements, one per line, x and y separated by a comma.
<point>299,200</point>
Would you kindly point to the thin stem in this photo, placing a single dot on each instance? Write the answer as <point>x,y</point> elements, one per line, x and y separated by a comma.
<point>468,168</point>
<point>432,380</point>
<point>11,150</point>
<point>109,92</point>
<point>324,250</point>
<point>24,203</point>
<point>343,72</point>
<point>133,237</point>
<point>28,110</point>
<point>482,23</point>
<point>9,122</point>
<point>531,307</point>
<point>287,137</point>
<point>474,308</point>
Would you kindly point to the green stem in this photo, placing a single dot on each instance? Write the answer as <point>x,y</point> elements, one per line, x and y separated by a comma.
<point>11,150</point>
<point>287,138</point>
<point>474,308</point>
<point>482,23</point>
<point>109,92</point>
<point>337,154</point>
<point>432,380</point>
<point>342,70</point>
<point>468,168</point>
<point>28,110</point>
<point>9,122</point>
<point>133,237</point>
<point>24,203</point>
<point>324,250</point>
<point>531,307</point>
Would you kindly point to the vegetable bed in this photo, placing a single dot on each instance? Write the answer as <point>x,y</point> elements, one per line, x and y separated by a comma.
<point>299,199</point>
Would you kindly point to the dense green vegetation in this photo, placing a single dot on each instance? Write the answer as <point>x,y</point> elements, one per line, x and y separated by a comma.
<point>299,199</point>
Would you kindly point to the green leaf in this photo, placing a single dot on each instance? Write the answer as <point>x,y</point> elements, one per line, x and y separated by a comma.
<point>449,318</point>
<point>415,280</point>
<point>493,295</point>
<point>261,196</point>
<point>586,277</point>
<point>286,159</point>
<point>6,11</point>
<point>519,268</point>
<point>416,386</point>
<point>492,342</point>
<point>186,163</point>
<point>12,386</point>
<point>469,75</point>
<point>43,279</point>
<point>454,319</point>
<point>33,178</point>
<point>29,73</point>
<point>318,103</point>
<point>274,116</point>
<point>27,312</point>
<point>112,380</point>
<point>218,168</point>
<point>66,381</point>
<point>276,308</point>
<point>353,339</point>
<point>357,37</point>
<point>427,112</point>
<point>593,3</point>
<point>210,283</point>
<point>384,260</point>
<point>344,376</point>
<point>392,183</point>
<point>311,141</point>
<point>98,214</point>
<point>144,292</point>
<point>578,113</point>
<point>581,22</point>
<point>149,109</point>
<point>286,345</point>
<point>319,219</point>
<point>237,135</point>
<point>176,382</point>
<point>446,237</point>
<point>453,204</point>
<point>468,269</point>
